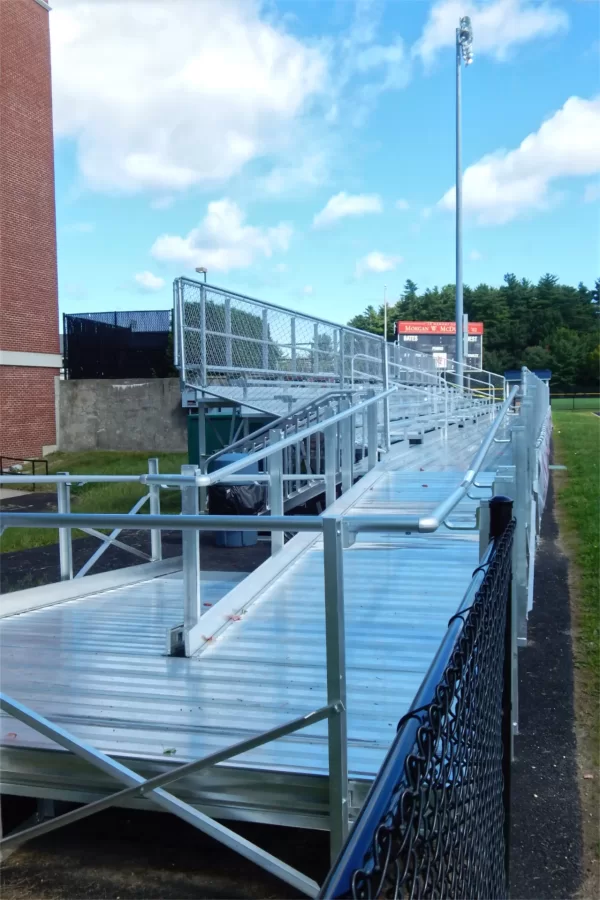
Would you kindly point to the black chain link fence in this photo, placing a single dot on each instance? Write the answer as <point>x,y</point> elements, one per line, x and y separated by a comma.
<point>119,344</point>
<point>435,823</point>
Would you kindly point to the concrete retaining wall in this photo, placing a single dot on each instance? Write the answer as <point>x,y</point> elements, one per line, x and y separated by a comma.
<point>124,414</point>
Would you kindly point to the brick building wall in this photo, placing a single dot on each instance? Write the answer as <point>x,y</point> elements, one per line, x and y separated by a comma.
<point>29,336</point>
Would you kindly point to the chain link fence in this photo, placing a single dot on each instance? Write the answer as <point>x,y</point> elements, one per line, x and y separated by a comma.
<point>435,823</point>
<point>118,344</point>
<point>270,358</point>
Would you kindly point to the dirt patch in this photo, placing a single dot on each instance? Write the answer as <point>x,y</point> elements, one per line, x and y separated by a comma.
<point>133,855</point>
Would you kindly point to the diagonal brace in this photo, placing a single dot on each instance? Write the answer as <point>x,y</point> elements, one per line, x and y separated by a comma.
<point>137,785</point>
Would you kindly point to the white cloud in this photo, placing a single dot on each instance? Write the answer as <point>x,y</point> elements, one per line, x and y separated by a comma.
<point>281,267</point>
<point>164,96</point>
<point>426,212</point>
<point>308,290</point>
<point>402,204</point>
<point>475,255</point>
<point>498,25</point>
<point>376,262</point>
<point>164,202</point>
<point>507,184</point>
<point>591,193</point>
<point>222,241</point>
<point>79,228</point>
<point>149,282</point>
<point>309,170</point>
<point>343,204</point>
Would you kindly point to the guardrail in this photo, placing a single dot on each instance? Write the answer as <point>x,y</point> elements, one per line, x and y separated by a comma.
<point>337,532</point>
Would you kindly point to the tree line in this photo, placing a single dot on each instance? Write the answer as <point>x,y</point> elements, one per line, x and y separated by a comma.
<point>542,326</point>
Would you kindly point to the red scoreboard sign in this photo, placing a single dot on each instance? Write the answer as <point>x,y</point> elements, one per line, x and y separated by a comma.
<point>435,327</point>
<point>439,340</point>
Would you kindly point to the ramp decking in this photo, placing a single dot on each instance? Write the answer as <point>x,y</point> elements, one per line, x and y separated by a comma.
<point>96,665</point>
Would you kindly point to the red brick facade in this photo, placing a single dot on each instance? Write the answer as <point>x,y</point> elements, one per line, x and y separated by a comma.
<point>27,404</point>
<point>28,278</point>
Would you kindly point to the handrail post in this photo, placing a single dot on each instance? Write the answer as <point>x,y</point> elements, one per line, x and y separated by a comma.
<point>372,435</point>
<point>335,644</point>
<point>519,437</point>
<point>265,339</point>
<point>65,545</point>
<point>204,362</point>
<point>190,539</point>
<point>154,491</point>
<point>330,441</point>
<point>504,485</point>
<point>228,338</point>
<point>386,400</point>
<point>347,442</point>
<point>275,469</point>
<point>293,342</point>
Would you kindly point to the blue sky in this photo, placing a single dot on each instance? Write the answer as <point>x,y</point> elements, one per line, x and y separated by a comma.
<point>304,151</point>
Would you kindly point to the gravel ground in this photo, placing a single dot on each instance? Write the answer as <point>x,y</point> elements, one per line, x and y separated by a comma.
<point>546,852</point>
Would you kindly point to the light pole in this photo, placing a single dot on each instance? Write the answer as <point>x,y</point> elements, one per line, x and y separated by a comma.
<point>464,51</point>
<point>201,271</point>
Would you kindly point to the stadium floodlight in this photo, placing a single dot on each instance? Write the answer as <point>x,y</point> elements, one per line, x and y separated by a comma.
<point>464,36</point>
<point>464,51</point>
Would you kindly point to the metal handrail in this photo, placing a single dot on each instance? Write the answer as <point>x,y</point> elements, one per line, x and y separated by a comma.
<point>353,524</point>
<point>429,523</point>
<point>226,471</point>
<point>281,422</point>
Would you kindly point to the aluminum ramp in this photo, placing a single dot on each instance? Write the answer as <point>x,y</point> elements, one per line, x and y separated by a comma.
<point>94,666</point>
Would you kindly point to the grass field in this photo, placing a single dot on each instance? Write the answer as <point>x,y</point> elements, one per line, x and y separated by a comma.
<point>577,443</point>
<point>104,498</point>
<point>574,402</point>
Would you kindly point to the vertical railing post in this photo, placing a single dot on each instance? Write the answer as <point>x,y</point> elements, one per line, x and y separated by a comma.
<point>386,400</point>
<point>202,451</point>
<point>519,437</point>
<point>342,358</point>
<point>316,347</point>
<point>192,609</point>
<point>372,435</point>
<point>228,339</point>
<point>154,491</point>
<point>330,441</point>
<point>181,356</point>
<point>65,545</point>
<point>504,485</point>
<point>347,441</point>
<point>484,526</point>
<point>335,645</point>
<point>265,339</point>
<point>293,342</point>
<point>275,469</point>
<point>203,342</point>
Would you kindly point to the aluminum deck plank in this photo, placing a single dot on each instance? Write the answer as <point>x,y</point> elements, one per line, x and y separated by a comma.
<point>95,665</point>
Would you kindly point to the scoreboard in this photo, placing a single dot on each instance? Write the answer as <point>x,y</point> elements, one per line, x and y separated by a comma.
<point>439,340</point>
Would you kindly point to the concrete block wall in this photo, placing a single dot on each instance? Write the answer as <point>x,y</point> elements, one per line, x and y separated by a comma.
<point>126,414</point>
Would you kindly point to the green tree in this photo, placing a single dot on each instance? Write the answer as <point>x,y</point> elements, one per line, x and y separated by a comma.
<point>542,325</point>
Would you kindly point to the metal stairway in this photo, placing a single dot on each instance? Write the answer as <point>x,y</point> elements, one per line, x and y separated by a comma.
<point>301,369</point>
